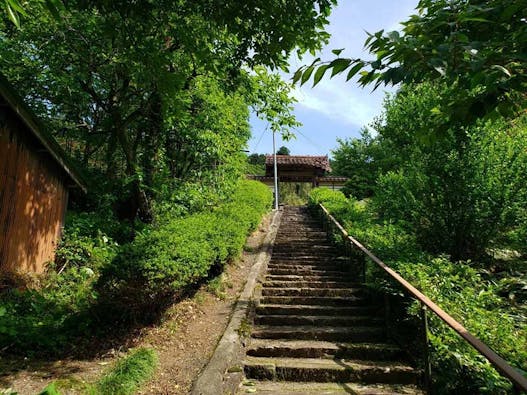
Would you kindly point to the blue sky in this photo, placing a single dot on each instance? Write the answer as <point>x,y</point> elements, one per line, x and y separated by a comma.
<point>335,108</point>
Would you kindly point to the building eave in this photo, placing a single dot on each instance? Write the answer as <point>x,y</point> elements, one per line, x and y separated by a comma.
<point>35,126</point>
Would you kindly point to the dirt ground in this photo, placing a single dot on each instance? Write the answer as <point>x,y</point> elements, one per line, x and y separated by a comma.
<point>184,341</point>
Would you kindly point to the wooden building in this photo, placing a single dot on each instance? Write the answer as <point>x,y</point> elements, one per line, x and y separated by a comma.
<point>35,177</point>
<point>300,169</point>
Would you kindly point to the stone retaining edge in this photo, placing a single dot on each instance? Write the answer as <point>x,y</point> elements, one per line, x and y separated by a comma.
<point>214,380</point>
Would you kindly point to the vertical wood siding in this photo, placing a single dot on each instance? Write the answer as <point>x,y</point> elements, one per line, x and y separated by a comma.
<point>33,201</point>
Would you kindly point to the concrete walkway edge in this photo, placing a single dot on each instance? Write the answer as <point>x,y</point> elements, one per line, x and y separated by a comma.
<point>229,350</point>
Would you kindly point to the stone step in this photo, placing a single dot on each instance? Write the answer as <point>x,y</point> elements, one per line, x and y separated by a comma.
<point>327,370</point>
<point>287,221</point>
<point>316,320</point>
<point>303,246</point>
<point>315,328</point>
<point>318,278</point>
<point>344,265</point>
<point>298,388</point>
<point>343,292</point>
<point>304,242</point>
<point>328,333</point>
<point>324,349</point>
<point>286,309</point>
<point>298,259</point>
<point>310,266</point>
<point>315,300</point>
<point>304,255</point>
<point>308,272</point>
<point>296,283</point>
<point>301,234</point>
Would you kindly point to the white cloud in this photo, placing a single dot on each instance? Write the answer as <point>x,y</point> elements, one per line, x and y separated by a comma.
<point>336,98</point>
<point>341,101</point>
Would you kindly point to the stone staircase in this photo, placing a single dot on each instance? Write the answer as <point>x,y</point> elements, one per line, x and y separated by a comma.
<point>315,330</point>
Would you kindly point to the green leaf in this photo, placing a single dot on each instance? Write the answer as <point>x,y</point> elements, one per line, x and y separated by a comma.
<point>501,68</point>
<point>471,19</point>
<point>307,74</point>
<point>337,51</point>
<point>13,15</point>
<point>297,75</point>
<point>320,73</point>
<point>17,7</point>
<point>354,70</point>
<point>339,65</point>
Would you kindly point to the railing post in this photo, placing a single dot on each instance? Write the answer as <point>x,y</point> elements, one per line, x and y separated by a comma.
<point>426,349</point>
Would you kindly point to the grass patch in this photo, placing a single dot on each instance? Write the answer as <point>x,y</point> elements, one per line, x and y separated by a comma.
<point>245,329</point>
<point>218,286</point>
<point>50,389</point>
<point>127,375</point>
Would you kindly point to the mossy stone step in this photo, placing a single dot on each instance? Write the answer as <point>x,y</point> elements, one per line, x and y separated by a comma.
<point>290,291</point>
<point>298,309</point>
<point>324,349</point>
<point>314,300</point>
<point>307,272</point>
<point>329,370</point>
<point>328,333</point>
<point>311,266</point>
<point>316,277</point>
<point>296,283</point>
<point>298,388</point>
<point>316,320</point>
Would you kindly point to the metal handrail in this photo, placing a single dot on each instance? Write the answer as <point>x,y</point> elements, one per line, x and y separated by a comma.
<point>519,381</point>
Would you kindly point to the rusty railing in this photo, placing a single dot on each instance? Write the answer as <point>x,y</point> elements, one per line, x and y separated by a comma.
<point>518,380</point>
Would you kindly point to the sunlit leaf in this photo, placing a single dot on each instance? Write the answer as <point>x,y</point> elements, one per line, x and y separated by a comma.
<point>307,74</point>
<point>502,69</point>
<point>319,74</point>
<point>354,70</point>
<point>339,65</point>
<point>13,15</point>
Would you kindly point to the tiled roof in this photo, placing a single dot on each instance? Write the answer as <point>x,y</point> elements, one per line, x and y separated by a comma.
<point>320,162</point>
<point>332,179</point>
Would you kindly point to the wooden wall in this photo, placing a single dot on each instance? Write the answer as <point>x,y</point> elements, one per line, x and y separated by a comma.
<point>33,201</point>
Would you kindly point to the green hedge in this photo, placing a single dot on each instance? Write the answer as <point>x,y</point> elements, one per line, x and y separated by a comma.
<point>102,280</point>
<point>456,286</point>
<point>182,251</point>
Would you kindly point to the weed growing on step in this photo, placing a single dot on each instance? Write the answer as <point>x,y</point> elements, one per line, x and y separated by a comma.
<point>244,331</point>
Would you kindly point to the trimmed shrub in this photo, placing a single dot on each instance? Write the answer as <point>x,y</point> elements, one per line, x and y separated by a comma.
<point>182,251</point>
<point>101,280</point>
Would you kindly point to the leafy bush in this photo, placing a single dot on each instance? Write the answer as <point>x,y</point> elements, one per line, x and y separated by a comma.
<point>182,252</point>
<point>456,286</point>
<point>44,319</point>
<point>458,191</point>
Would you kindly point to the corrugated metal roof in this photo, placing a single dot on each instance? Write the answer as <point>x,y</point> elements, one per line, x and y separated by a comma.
<point>320,162</point>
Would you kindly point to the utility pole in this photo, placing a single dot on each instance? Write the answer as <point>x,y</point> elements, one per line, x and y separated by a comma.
<point>275,174</point>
